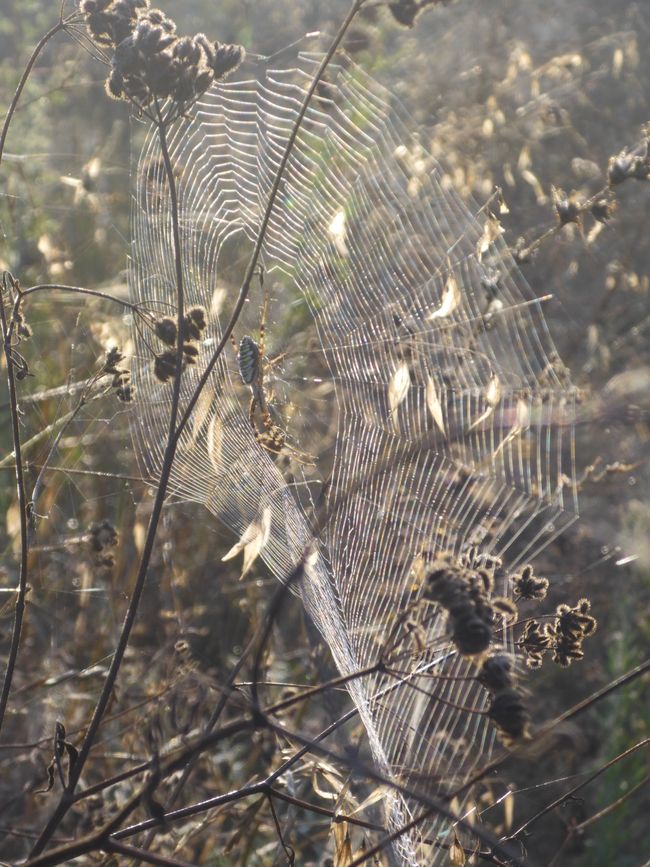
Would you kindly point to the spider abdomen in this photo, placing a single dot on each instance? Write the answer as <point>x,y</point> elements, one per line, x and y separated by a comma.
<point>249,360</point>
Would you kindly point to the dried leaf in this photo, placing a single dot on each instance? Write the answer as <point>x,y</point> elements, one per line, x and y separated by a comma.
<point>378,794</point>
<point>50,779</point>
<point>252,541</point>
<point>522,417</point>
<point>508,810</point>
<point>450,300</point>
<point>434,406</point>
<point>492,398</point>
<point>491,231</point>
<point>457,853</point>
<point>398,387</point>
<point>343,854</point>
<point>332,778</point>
<point>493,392</point>
<point>215,442</point>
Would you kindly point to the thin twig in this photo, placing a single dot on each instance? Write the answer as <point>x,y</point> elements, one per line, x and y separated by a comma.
<point>143,855</point>
<point>19,609</point>
<point>245,288</point>
<point>67,797</point>
<point>77,290</point>
<point>566,795</point>
<point>15,428</point>
<point>613,806</point>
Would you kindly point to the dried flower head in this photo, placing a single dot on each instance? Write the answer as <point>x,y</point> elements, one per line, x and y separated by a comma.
<point>113,358</point>
<point>510,715</point>
<point>571,627</point>
<point>535,641</point>
<point>165,329</point>
<point>103,535</point>
<point>529,586</point>
<point>471,635</point>
<point>464,588</point>
<point>603,210</point>
<point>190,353</point>
<point>567,207</point>
<point>497,673</point>
<point>150,60</point>
<point>628,163</point>
<point>165,366</point>
<point>194,323</point>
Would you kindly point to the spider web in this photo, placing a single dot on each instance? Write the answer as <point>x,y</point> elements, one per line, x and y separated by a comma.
<point>406,360</point>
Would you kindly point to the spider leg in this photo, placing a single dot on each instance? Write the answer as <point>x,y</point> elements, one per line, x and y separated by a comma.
<point>251,412</point>
<point>263,311</point>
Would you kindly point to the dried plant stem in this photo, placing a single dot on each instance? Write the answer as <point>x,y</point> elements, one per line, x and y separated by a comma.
<point>566,795</point>
<point>610,807</point>
<point>143,855</point>
<point>61,24</point>
<point>245,288</point>
<point>578,708</point>
<point>19,610</point>
<point>43,434</point>
<point>77,290</point>
<point>67,798</point>
<point>38,484</point>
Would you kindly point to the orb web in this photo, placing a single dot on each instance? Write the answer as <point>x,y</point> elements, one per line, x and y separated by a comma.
<point>407,365</point>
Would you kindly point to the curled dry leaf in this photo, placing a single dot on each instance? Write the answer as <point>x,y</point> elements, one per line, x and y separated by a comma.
<point>522,417</point>
<point>252,541</point>
<point>343,845</point>
<point>215,442</point>
<point>398,387</point>
<point>434,406</point>
<point>492,398</point>
<point>493,391</point>
<point>450,299</point>
<point>491,231</point>
<point>457,853</point>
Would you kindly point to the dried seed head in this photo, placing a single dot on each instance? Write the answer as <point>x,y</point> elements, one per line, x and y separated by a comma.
<point>471,635</point>
<point>165,366</point>
<point>497,673</point>
<point>528,586</point>
<point>103,535</point>
<point>226,59</point>
<point>404,12</point>
<point>190,353</point>
<point>535,641</point>
<point>567,208</point>
<point>603,210</point>
<point>510,715</point>
<point>165,329</point>
<point>113,358</point>
<point>194,323</point>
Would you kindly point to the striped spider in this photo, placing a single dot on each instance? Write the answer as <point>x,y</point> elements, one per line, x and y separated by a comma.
<point>253,366</point>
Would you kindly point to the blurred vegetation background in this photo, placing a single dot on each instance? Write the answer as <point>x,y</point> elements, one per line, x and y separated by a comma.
<point>529,95</point>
